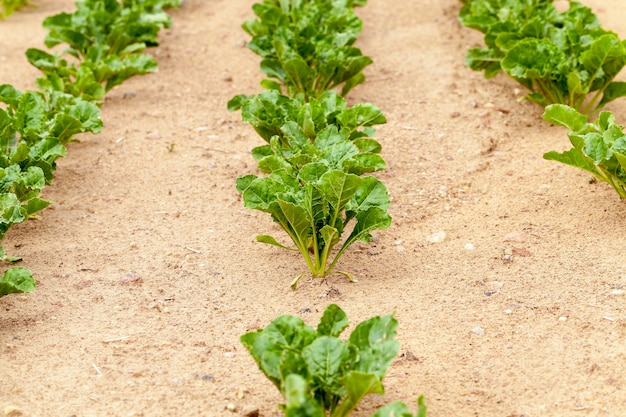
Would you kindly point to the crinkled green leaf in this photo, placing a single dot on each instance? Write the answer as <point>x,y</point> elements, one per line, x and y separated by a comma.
<point>299,402</point>
<point>16,280</point>
<point>374,339</point>
<point>563,115</point>
<point>333,321</point>
<point>358,384</point>
<point>325,358</point>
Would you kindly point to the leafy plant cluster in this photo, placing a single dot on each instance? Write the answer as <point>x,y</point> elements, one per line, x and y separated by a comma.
<point>7,7</point>
<point>105,39</point>
<point>316,152</point>
<point>307,45</point>
<point>319,374</point>
<point>560,57</point>
<point>568,62</point>
<point>599,147</point>
<point>317,147</point>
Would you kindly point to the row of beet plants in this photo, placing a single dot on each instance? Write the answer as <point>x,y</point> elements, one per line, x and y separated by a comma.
<point>568,63</point>
<point>316,152</point>
<point>104,40</point>
<point>317,148</point>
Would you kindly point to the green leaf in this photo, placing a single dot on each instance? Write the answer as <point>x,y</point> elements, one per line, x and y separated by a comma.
<point>363,114</point>
<point>313,171</point>
<point>375,342</point>
<point>36,204</point>
<point>271,85</point>
<point>10,209</point>
<point>371,193</point>
<point>298,219</point>
<point>333,321</point>
<point>325,358</point>
<point>16,280</point>
<point>563,115</point>
<point>271,241</point>
<point>298,399</point>
<point>358,384</point>
<point>364,163</point>
<point>574,158</point>
<point>285,333</point>
<point>337,187</point>
<point>236,102</point>
<point>614,90</point>
<point>399,409</point>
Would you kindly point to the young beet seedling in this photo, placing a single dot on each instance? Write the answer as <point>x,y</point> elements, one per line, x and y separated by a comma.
<point>319,374</point>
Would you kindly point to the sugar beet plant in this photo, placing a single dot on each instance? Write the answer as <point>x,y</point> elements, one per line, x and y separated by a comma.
<point>320,374</point>
<point>307,45</point>
<point>105,39</point>
<point>560,57</point>
<point>34,129</point>
<point>317,148</point>
<point>313,161</point>
<point>599,147</point>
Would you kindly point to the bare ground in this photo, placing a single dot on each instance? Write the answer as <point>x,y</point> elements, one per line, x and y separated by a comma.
<point>148,272</point>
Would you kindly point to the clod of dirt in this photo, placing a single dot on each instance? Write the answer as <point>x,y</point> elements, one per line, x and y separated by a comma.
<point>409,356</point>
<point>155,135</point>
<point>515,237</point>
<point>12,411</point>
<point>437,237</point>
<point>478,330</point>
<point>523,252</point>
<point>250,411</point>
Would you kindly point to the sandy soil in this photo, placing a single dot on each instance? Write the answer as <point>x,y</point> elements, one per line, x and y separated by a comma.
<point>148,271</point>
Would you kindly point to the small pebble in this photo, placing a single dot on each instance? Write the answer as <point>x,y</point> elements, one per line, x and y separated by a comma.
<point>437,237</point>
<point>153,135</point>
<point>250,411</point>
<point>469,246</point>
<point>305,310</point>
<point>562,318</point>
<point>515,237</point>
<point>618,292</point>
<point>478,330</point>
<point>508,311</point>
<point>12,411</point>
<point>231,407</point>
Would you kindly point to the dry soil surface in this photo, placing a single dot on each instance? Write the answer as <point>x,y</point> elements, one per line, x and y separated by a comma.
<point>148,271</point>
